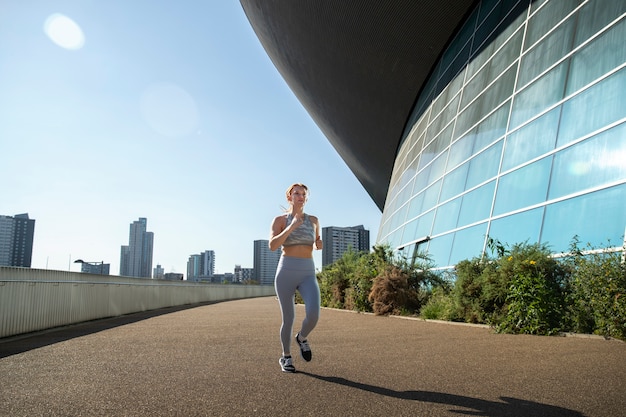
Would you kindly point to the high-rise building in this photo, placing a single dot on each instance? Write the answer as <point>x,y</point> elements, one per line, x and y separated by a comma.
<point>16,240</point>
<point>136,258</point>
<point>467,120</point>
<point>158,272</point>
<point>265,262</point>
<point>201,267</point>
<point>243,274</point>
<point>338,240</point>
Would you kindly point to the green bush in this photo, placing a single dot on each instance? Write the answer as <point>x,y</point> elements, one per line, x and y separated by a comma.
<point>440,305</point>
<point>596,289</point>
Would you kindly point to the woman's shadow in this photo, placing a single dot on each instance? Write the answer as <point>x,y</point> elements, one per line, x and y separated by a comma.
<point>509,407</point>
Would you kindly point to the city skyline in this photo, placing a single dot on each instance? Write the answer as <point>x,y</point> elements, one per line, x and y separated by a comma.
<point>189,125</point>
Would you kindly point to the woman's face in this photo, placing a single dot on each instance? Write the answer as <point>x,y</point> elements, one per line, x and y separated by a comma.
<point>298,196</point>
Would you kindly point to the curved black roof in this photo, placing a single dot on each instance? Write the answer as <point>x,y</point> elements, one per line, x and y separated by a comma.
<point>357,67</point>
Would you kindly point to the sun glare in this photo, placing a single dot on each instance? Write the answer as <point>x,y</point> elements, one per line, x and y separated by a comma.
<point>64,32</point>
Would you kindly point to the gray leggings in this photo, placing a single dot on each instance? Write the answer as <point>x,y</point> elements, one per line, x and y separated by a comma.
<point>296,274</point>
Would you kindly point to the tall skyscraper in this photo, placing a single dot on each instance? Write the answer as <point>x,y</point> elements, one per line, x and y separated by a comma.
<point>16,240</point>
<point>136,258</point>
<point>201,267</point>
<point>338,240</point>
<point>265,262</point>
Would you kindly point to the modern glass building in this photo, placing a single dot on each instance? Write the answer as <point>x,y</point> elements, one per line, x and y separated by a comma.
<point>517,132</point>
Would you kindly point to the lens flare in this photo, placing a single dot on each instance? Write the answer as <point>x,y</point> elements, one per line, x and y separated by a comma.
<point>64,32</point>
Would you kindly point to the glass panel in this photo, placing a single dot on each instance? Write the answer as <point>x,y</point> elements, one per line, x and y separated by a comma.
<point>546,53</point>
<point>599,57</point>
<point>596,161</point>
<point>524,187</point>
<point>595,15</point>
<point>431,195</point>
<point>518,228</point>
<point>596,218</point>
<point>425,224</point>
<point>547,18</point>
<point>468,243</point>
<point>598,106</point>
<point>439,249</point>
<point>461,150</point>
<point>484,166</point>
<point>476,204</point>
<point>447,216</point>
<point>532,140</point>
<point>421,180</point>
<point>437,167</point>
<point>454,182</point>
<point>408,233</point>
<point>492,128</point>
<point>492,98</point>
<point>502,59</point>
<point>540,95</point>
<point>415,206</point>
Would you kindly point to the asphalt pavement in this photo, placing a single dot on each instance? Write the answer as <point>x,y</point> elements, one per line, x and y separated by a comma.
<point>221,359</point>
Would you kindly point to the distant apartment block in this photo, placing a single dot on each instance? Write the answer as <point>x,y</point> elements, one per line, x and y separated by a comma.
<point>98,268</point>
<point>338,240</point>
<point>158,272</point>
<point>16,240</point>
<point>265,262</point>
<point>243,274</point>
<point>201,267</point>
<point>136,257</point>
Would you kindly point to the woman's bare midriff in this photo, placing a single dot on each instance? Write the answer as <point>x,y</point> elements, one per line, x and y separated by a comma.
<point>298,251</point>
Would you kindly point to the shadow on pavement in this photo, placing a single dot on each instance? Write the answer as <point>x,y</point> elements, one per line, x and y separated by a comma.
<point>509,407</point>
<point>14,345</point>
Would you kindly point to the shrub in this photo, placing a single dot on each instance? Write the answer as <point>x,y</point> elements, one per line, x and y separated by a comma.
<point>391,293</point>
<point>597,291</point>
<point>440,306</point>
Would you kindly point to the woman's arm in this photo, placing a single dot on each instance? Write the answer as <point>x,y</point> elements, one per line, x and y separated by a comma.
<point>318,240</point>
<point>280,230</point>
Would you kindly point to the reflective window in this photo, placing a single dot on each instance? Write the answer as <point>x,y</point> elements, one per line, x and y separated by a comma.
<point>551,49</point>
<point>547,18</point>
<point>425,225</point>
<point>518,228</point>
<point>439,249</point>
<point>468,243</point>
<point>595,218</point>
<point>415,206</point>
<point>431,195</point>
<point>532,140</point>
<point>476,204</point>
<point>540,95</point>
<point>599,57</point>
<point>595,15</point>
<point>524,187</point>
<point>493,97</point>
<point>524,140</point>
<point>594,162</point>
<point>447,216</point>
<point>454,182</point>
<point>484,166</point>
<point>598,106</point>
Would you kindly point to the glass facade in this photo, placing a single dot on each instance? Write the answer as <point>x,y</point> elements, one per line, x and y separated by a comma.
<point>518,135</point>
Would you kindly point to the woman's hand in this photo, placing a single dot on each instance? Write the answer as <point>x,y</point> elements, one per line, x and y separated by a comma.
<point>318,244</point>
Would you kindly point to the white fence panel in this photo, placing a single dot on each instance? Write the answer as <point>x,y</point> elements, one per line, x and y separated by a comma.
<point>35,299</point>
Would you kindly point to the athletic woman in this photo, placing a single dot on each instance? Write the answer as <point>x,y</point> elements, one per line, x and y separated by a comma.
<point>298,233</point>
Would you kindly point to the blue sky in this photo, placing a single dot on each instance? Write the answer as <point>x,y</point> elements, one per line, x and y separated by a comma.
<point>114,110</point>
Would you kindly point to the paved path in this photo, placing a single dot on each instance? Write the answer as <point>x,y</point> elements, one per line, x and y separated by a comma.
<point>222,360</point>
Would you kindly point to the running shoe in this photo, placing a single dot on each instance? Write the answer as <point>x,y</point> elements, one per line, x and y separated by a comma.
<point>305,349</point>
<point>286,364</point>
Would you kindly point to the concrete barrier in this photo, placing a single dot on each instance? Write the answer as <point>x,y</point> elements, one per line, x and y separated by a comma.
<point>36,299</point>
